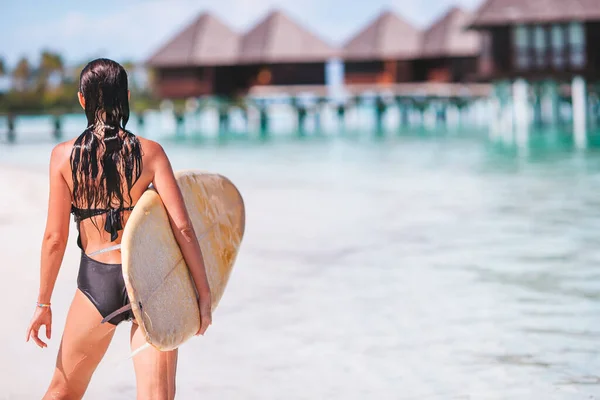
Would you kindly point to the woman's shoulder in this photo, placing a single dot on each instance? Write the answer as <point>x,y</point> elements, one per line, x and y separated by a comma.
<point>153,153</point>
<point>151,148</point>
<point>61,153</point>
<point>64,147</point>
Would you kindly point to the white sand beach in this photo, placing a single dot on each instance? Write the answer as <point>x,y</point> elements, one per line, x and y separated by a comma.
<point>264,342</point>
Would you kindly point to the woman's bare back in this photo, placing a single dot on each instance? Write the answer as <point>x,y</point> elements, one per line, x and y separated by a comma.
<point>93,237</point>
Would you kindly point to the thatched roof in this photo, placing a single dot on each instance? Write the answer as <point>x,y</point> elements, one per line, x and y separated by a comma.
<point>448,37</point>
<point>386,37</point>
<point>504,12</point>
<point>278,39</point>
<point>205,41</point>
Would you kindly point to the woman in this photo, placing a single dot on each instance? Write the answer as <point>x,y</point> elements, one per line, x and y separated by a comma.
<point>99,177</point>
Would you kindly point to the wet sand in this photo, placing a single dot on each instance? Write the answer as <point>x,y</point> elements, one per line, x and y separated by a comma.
<point>261,344</point>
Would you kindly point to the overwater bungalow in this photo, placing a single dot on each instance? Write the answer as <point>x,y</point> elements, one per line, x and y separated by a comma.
<point>209,58</point>
<point>538,40</point>
<point>376,54</point>
<point>444,52</point>
<point>448,51</point>
<point>531,49</point>
<point>192,63</point>
<point>279,51</point>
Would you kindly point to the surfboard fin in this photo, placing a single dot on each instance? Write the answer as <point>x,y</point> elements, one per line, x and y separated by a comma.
<point>139,350</point>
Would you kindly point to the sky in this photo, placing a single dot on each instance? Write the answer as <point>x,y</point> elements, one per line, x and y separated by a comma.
<point>131,30</point>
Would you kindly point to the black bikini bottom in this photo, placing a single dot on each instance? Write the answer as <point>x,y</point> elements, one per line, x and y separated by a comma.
<point>103,284</point>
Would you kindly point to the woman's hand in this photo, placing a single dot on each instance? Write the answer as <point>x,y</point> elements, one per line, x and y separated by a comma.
<point>42,316</point>
<point>205,305</point>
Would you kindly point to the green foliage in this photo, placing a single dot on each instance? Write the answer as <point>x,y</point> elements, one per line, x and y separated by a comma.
<point>22,74</point>
<point>129,66</point>
<point>142,101</point>
<point>32,92</point>
<point>49,63</point>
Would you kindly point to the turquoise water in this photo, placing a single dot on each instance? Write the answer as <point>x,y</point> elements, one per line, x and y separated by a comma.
<point>428,264</point>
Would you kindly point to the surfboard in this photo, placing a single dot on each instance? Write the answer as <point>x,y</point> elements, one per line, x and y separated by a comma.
<point>160,288</point>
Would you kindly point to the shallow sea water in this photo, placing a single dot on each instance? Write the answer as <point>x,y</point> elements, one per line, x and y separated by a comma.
<point>418,266</point>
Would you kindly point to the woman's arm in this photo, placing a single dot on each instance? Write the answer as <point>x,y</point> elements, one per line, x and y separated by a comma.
<point>165,184</point>
<point>53,246</point>
<point>57,226</point>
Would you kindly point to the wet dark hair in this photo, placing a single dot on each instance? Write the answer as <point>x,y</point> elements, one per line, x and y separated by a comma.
<point>106,159</point>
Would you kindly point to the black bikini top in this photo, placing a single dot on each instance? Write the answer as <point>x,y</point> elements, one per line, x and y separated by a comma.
<point>113,222</point>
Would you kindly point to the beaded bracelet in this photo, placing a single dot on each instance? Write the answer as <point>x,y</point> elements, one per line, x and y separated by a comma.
<point>42,305</point>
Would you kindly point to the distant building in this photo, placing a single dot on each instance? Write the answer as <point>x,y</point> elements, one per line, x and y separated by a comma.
<point>278,51</point>
<point>448,51</point>
<point>390,50</point>
<point>190,63</point>
<point>381,52</point>
<point>208,57</point>
<point>539,39</point>
<point>538,54</point>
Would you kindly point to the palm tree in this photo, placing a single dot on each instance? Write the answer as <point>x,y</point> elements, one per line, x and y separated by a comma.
<point>50,63</point>
<point>74,72</point>
<point>22,74</point>
<point>129,66</point>
<point>2,67</point>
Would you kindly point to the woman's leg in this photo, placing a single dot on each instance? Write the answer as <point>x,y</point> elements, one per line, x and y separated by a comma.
<point>83,345</point>
<point>154,370</point>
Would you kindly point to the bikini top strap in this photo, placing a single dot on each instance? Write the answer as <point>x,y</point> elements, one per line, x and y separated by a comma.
<point>113,223</point>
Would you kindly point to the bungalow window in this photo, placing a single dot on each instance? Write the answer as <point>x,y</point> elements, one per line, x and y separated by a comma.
<point>558,46</point>
<point>521,41</point>
<point>539,40</point>
<point>364,67</point>
<point>577,44</point>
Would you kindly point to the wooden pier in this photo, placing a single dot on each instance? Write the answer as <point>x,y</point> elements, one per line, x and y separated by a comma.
<point>307,103</point>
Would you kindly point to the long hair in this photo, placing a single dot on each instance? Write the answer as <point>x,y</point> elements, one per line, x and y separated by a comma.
<point>106,159</point>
